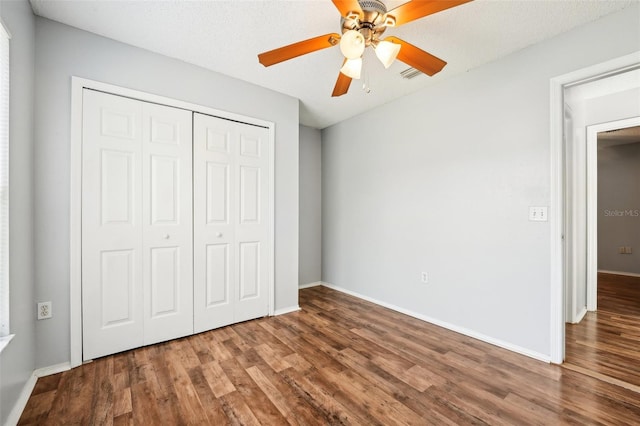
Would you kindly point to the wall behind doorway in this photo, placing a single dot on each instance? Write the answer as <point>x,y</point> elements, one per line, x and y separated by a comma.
<point>619,207</point>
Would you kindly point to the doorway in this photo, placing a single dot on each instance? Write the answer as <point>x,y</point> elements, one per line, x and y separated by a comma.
<point>560,194</point>
<point>612,204</point>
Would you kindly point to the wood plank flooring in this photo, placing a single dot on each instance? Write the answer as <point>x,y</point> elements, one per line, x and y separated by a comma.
<point>607,342</point>
<point>619,294</point>
<point>339,361</point>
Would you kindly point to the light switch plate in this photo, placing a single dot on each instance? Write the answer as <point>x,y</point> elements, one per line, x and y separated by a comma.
<point>538,214</point>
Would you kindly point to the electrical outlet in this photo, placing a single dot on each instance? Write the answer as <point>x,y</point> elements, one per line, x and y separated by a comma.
<point>44,310</point>
<point>424,277</point>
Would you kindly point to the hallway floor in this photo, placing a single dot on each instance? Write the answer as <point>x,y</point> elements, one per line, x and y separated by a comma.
<point>607,342</point>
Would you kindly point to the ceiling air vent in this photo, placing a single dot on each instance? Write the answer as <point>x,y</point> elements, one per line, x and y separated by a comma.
<point>410,73</point>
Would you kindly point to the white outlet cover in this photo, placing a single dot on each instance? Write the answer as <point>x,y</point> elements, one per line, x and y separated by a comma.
<point>44,310</point>
<point>538,214</point>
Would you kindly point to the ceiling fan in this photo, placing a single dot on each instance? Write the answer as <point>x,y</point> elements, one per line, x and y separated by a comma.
<point>363,22</point>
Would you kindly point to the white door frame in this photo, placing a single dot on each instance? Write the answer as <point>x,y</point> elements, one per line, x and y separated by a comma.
<point>557,195</point>
<point>592,202</point>
<point>75,222</point>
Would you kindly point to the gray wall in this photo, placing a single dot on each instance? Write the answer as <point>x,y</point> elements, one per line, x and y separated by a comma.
<point>310,262</point>
<point>17,361</point>
<point>62,52</point>
<point>619,207</point>
<point>442,182</point>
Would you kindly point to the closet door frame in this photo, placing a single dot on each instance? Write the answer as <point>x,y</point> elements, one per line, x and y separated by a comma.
<point>75,212</point>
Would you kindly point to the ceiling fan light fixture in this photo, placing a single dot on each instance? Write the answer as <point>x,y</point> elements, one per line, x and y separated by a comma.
<point>352,68</point>
<point>352,44</point>
<point>387,52</point>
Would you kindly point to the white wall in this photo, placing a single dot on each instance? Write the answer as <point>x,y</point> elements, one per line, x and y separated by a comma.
<point>441,181</point>
<point>17,361</point>
<point>62,52</point>
<point>310,261</point>
<point>619,194</point>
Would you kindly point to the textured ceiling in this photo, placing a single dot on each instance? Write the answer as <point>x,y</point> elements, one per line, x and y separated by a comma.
<point>226,36</point>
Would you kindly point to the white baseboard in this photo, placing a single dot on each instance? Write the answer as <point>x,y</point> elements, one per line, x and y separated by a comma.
<point>448,326</point>
<point>317,283</point>
<point>286,310</point>
<point>628,274</point>
<point>21,403</point>
<point>4,341</point>
<point>52,369</point>
<point>580,315</point>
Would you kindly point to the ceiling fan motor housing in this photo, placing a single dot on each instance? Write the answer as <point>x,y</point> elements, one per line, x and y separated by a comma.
<point>372,23</point>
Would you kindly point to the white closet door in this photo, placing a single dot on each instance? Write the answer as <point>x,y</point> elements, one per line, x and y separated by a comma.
<point>251,221</point>
<point>137,285</point>
<point>167,223</point>
<point>112,314</point>
<point>230,222</point>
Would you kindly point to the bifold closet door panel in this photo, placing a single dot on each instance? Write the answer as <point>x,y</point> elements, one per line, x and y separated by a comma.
<point>252,223</point>
<point>231,214</point>
<point>167,223</point>
<point>137,283</point>
<point>214,206</point>
<point>112,310</point>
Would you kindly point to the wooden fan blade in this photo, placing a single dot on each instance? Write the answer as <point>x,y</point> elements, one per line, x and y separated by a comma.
<point>298,49</point>
<point>417,9</point>
<point>346,6</point>
<point>417,58</point>
<point>342,85</point>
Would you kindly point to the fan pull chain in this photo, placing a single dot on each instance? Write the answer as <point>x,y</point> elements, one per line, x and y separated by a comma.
<point>366,87</point>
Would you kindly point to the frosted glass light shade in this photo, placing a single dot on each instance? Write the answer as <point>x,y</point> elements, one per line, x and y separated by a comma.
<point>387,52</point>
<point>352,68</point>
<point>352,44</point>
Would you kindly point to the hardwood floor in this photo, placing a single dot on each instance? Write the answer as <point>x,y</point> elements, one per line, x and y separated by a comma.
<point>619,294</point>
<point>607,342</point>
<point>340,360</point>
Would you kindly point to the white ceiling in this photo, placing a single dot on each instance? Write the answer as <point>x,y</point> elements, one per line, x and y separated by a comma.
<point>226,36</point>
